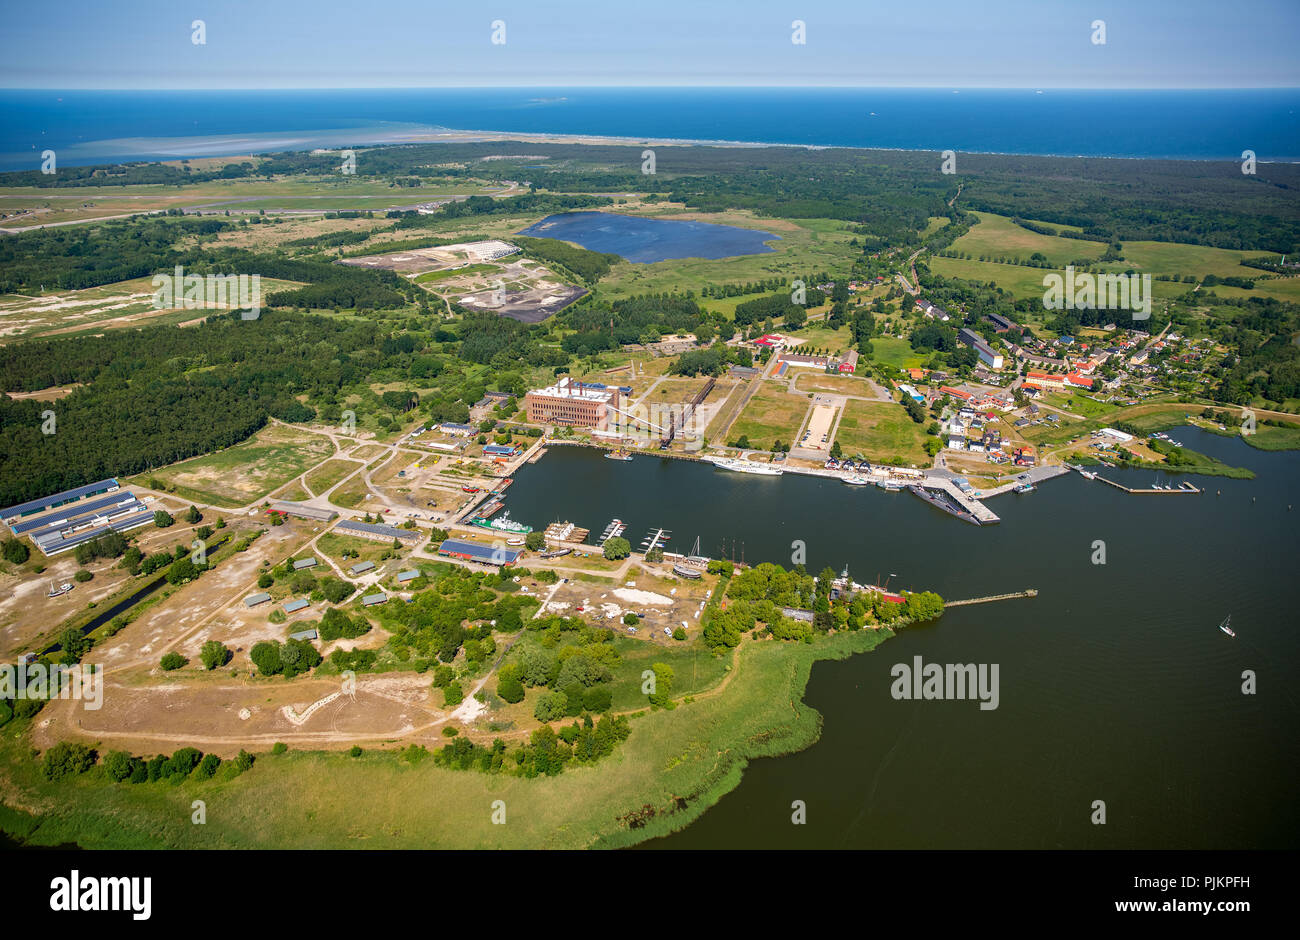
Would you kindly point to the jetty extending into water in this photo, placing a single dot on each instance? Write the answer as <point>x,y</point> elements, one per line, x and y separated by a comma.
<point>1183,487</point>
<point>1031,592</point>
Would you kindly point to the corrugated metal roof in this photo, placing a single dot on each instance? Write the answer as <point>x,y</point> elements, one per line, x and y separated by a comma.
<point>361,566</point>
<point>374,599</point>
<point>297,605</point>
<point>348,525</point>
<point>66,514</point>
<point>486,554</point>
<point>253,600</point>
<point>52,543</point>
<point>80,492</point>
<point>304,563</point>
<point>407,575</point>
<point>303,635</point>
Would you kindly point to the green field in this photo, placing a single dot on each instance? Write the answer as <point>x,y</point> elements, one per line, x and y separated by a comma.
<point>247,472</point>
<point>773,414</point>
<point>998,236</point>
<point>881,430</point>
<point>895,353</point>
<point>329,473</point>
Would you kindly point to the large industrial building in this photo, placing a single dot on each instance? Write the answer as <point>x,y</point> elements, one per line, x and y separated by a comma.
<point>35,506</point>
<point>574,403</point>
<point>380,533</point>
<point>61,522</point>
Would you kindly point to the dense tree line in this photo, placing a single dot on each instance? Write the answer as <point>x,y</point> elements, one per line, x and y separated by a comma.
<point>153,396</point>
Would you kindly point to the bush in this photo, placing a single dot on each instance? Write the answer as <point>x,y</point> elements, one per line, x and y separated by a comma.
<point>82,575</point>
<point>551,706</point>
<point>354,751</point>
<point>598,698</point>
<point>172,661</point>
<point>264,580</point>
<point>509,686</point>
<point>279,747</point>
<point>452,695</point>
<point>208,766</point>
<point>679,634</point>
<point>14,551</point>
<point>66,759</point>
<point>213,654</point>
<point>631,619</point>
<point>162,519</point>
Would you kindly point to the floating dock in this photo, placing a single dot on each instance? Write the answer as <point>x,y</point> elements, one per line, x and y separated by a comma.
<point>655,539</point>
<point>615,528</point>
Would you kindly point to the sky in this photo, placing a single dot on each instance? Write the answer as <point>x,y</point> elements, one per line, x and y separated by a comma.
<point>257,44</point>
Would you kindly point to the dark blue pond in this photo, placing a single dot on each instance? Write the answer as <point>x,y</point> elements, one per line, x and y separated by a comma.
<point>645,241</point>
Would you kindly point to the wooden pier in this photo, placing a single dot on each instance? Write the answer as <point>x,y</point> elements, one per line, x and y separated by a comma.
<point>1176,489</point>
<point>1032,592</point>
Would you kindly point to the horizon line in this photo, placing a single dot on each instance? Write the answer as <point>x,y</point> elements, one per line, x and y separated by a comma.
<point>728,87</point>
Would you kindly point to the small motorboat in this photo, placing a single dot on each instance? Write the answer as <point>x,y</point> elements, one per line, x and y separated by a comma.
<point>1225,628</point>
<point>514,541</point>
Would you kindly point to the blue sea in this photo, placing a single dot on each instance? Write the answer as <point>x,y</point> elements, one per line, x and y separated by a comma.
<point>85,127</point>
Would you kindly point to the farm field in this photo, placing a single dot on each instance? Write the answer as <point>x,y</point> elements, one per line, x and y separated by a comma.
<point>247,472</point>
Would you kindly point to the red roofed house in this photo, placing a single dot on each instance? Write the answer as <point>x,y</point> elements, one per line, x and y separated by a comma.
<point>955,393</point>
<point>1080,381</point>
<point>849,363</point>
<point>1044,380</point>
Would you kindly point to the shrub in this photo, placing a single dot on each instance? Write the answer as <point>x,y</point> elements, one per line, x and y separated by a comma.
<point>82,575</point>
<point>162,519</point>
<point>213,654</point>
<point>15,552</point>
<point>452,694</point>
<point>631,619</point>
<point>279,747</point>
<point>354,751</point>
<point>208,766</point>
<point>172,661</point>
<point>66,759</point>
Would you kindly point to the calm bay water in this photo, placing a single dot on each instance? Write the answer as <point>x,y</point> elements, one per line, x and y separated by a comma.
<point>107,126</point>
<point>1115,683</point>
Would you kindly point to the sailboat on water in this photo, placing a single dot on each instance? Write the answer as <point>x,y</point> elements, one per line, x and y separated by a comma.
<point>1225,628</point>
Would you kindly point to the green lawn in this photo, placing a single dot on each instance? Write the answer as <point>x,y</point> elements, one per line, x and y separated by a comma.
<point>896,353</point>
<point>881,430</point>
<point>773,414</point>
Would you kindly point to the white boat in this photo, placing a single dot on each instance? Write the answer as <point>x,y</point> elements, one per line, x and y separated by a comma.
<point>1087,474</point>
<point>59,591</point>
<point>514,541</point>
<point>856,480</point>
<point>1225,628</point>
<point>745,466</point>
